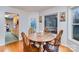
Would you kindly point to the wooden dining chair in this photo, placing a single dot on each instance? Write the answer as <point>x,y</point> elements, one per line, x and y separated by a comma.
<point>46,30</point>
<point>27,47</point>
<point>53,46</point>
<point>30,31</point>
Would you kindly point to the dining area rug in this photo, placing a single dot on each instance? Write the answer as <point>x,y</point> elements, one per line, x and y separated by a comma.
<point>10,38</point>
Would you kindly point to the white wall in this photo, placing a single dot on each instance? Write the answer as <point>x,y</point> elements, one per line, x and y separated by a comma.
<point>2,29</point>
<point>61,25</point>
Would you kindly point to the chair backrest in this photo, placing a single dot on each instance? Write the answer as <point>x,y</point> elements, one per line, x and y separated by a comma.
<point>25,39</point>
<point>31,30</point>
<point>58,38</point>
<point>46,30</point>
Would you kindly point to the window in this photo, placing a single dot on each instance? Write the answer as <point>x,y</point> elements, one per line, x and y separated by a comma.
<point>75,24</point>
<point>51,23</point>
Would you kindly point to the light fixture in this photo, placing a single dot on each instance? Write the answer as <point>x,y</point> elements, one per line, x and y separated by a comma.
<point>6,16</point>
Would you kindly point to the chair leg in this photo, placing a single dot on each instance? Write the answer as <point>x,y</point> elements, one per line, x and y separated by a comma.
<point>44,50</point>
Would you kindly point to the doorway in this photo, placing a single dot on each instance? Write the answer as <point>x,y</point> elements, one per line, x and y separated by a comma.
<point>12,27</point>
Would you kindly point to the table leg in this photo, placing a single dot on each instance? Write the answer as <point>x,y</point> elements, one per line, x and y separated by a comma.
<point>41,46</point>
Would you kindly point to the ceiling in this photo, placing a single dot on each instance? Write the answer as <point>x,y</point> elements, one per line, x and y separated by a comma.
<point>33,8</point>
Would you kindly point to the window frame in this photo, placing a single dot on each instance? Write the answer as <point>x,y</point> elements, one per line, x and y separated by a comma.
<point>70,25</point>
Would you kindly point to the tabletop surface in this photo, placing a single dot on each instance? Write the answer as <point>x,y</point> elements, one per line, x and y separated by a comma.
<point>41,37</point>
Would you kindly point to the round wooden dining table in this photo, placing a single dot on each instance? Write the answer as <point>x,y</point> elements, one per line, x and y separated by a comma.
<point>41,38</point>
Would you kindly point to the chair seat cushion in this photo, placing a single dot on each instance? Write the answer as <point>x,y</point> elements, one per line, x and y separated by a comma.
<point>50,48</point>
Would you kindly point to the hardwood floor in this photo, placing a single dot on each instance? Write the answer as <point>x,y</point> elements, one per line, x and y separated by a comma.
<point>18,47</point>
<point>64,49</point>
<point>14,47</point>
<point>2,48</point>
